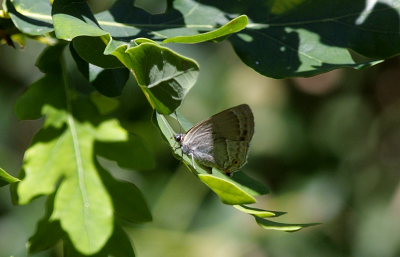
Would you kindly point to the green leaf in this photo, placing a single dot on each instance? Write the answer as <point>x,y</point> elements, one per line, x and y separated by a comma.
<point>41,95</point>
<point>300,38</point>
<point>129,203</point>
<point>47,233</point>
<point>91,49</point>
<point>6,178</point>
<point>108,82</point>
<point>267,224</point>
<point>258,212</point>
<point>131,154</point>
<point>87,218</point>
<point>164,76</point>
<point>125,22</point>
<point>227,191</point>
<point>31,17</point>
<point>247,183</point>
<point>70,15</point>
<point>105,105</point>
<point>169,133</point>
<point>312,37</point>
<point>63,154</point>
<point>231,27</point>
<point>48,57</point>
<point>119,245</point>
<point>44,97</point>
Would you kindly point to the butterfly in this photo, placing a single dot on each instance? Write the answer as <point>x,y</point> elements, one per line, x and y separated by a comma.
<point>222,141</point>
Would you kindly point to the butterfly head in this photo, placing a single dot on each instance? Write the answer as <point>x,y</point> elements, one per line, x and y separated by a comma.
<point>179,138</point>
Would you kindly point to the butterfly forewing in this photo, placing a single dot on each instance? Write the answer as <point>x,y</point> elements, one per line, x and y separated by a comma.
<point>223,140</point>
<point>236,124</point>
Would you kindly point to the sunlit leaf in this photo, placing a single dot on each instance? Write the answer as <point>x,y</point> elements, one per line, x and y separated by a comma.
<point>119,245</point>
<point>33,18</point>
<point>6,178</point>
<point>61,160</point>
<point>258,212</point>
<point>227,191</point>
<point>65,155</point>
<point>231,27</point>
<point>267,224</point>
<point>70,15</point>
<point>248,184</point>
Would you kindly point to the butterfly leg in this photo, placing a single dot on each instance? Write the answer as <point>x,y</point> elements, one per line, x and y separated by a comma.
<point>176,147</point>
<point>191,155</point>
<point>208,169</point>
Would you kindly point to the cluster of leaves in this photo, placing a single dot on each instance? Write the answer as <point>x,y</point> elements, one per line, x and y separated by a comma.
<point>85,203</point>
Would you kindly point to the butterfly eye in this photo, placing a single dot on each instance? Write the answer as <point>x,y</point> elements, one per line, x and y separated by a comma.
<point>178,137</point>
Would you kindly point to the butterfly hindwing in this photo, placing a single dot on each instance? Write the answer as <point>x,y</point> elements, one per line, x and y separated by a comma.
<point>223,140</point>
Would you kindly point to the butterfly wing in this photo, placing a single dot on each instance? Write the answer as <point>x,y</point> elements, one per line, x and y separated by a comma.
<point>223,140</point>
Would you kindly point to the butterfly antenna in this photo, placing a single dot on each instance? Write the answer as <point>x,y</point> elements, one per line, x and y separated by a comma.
<point>180,131</point>
<point>174,133</point>
<point>179,123</point>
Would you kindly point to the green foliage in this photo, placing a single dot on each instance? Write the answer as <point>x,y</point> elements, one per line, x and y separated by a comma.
<point>281,39</point>
<point>164,76</point>
<point>86,205</point>
<point>63,155</point>
<point>6,178</point>
<point>235,25</point>
<point>264,223</point>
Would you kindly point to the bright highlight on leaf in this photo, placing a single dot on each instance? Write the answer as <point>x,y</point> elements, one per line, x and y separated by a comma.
<point>231,27</point>
<point>258,212</point>
<point>267,224</point>
<point>229,192</point>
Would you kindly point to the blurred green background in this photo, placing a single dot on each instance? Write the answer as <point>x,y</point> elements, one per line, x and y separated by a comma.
<point>328,147</point>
